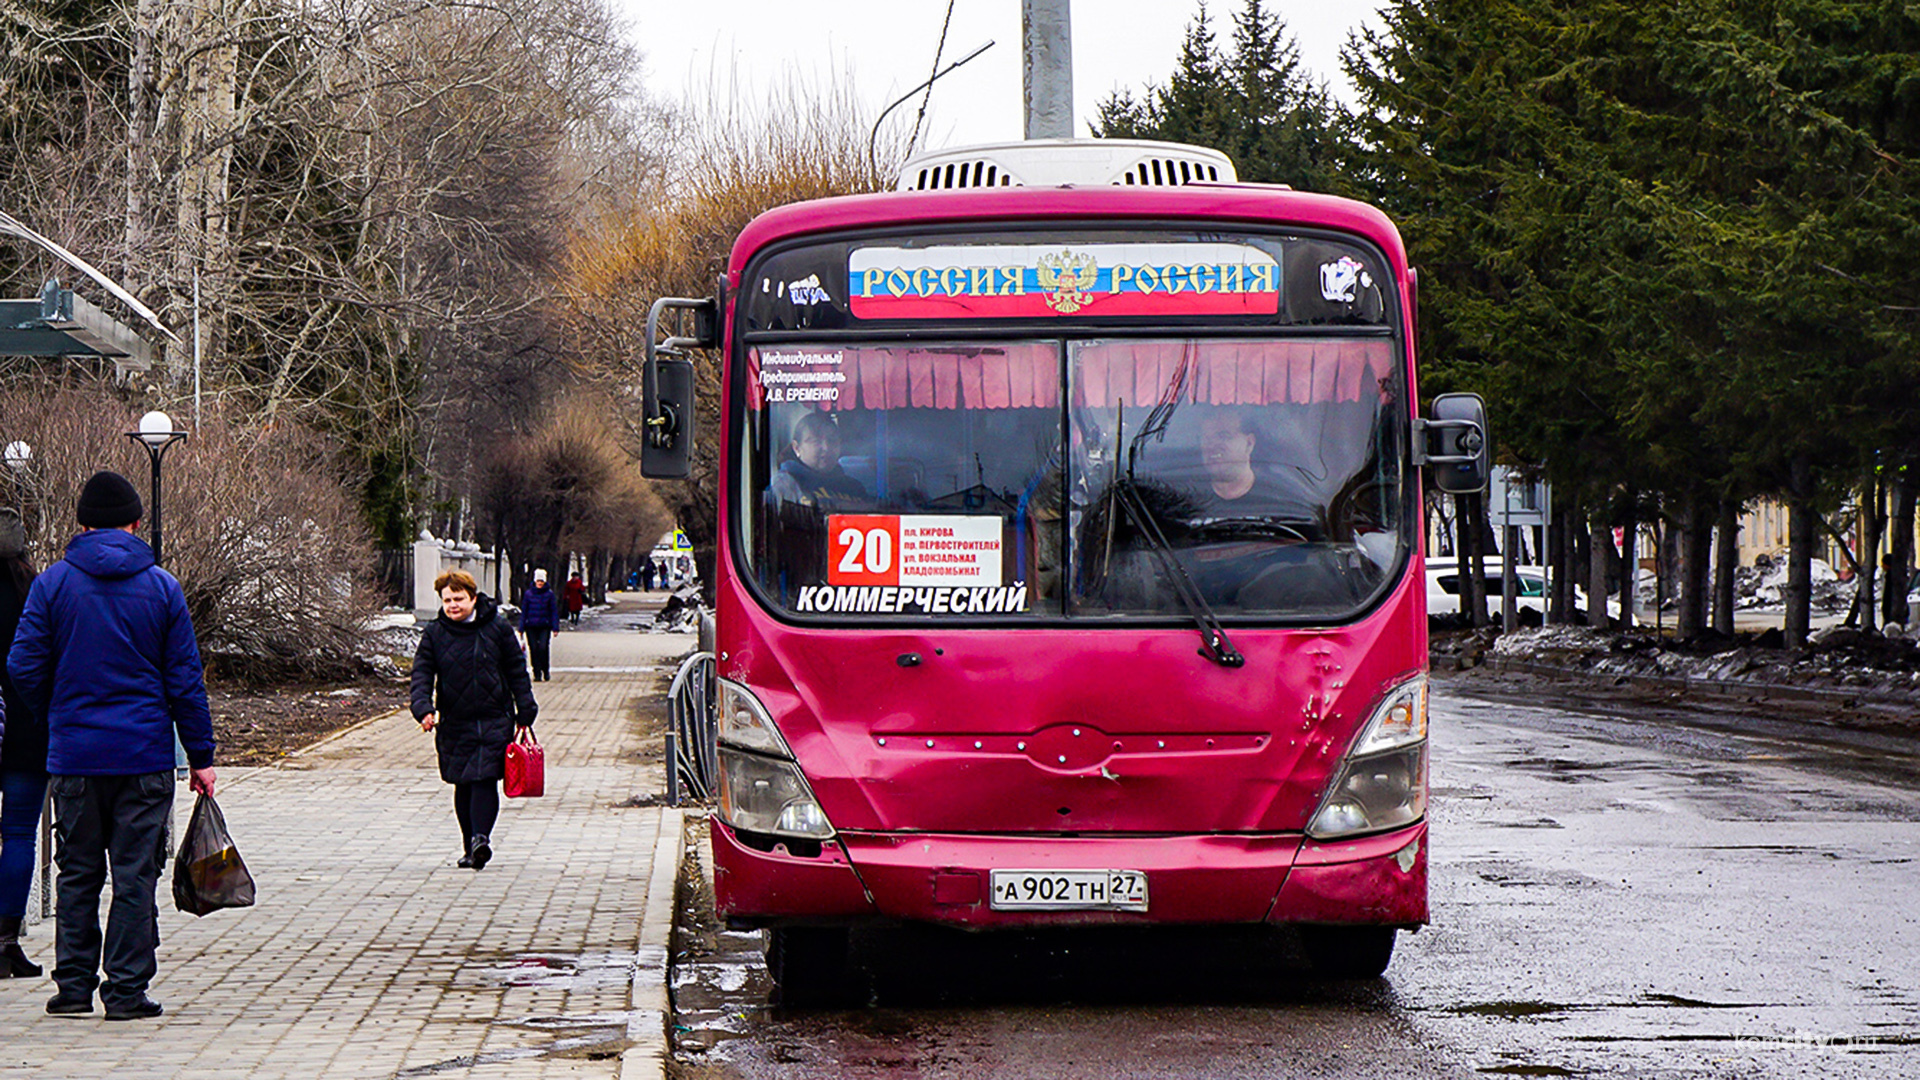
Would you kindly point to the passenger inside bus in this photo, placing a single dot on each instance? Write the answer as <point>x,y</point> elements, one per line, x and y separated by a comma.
<point>810,474</point>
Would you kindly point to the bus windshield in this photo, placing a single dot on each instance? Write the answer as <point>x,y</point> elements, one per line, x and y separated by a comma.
<point>1074,479</point>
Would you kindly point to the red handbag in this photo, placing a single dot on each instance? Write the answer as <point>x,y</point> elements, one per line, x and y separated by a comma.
<point>526,767</point>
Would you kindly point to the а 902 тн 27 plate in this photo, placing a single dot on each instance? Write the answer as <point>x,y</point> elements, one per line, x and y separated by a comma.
<point>1069,890</point>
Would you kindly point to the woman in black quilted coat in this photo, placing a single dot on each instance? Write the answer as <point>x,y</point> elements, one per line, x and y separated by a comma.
<point>470,688</point>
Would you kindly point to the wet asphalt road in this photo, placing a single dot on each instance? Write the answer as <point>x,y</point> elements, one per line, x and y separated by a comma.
<point>1617,891</point>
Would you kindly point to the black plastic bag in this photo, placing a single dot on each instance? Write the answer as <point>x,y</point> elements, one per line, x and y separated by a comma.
<point>208,874</point>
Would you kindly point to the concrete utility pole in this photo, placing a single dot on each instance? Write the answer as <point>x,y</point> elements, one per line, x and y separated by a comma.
<point>1047,37</point>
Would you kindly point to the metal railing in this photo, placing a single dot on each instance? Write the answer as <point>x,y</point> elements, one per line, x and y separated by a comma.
<point>692,724</point>
<point>394,572</point>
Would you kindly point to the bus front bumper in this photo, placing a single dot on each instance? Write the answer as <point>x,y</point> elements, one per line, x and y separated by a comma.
<point>946,879</point>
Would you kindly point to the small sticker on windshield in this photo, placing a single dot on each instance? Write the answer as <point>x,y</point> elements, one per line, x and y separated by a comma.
<point>807,292</point>
<point>1342,279</point>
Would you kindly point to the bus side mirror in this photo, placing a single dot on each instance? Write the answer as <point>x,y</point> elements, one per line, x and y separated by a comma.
<point>666,453</point>
<point>1454,443</point>
<point>667,398</point>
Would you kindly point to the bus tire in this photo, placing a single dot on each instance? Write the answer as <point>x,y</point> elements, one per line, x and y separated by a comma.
<point>813,966</point>
<point>1348,952</point>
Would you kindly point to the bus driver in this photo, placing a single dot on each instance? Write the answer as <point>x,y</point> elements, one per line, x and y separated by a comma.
<point>809,485</point>
<point>1233,489</point>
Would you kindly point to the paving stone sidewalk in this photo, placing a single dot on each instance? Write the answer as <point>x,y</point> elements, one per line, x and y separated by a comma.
<point>371,955</point>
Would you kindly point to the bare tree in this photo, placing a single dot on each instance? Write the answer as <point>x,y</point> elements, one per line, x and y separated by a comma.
<point>730,165</point>
<point>369,195</point>
<point>267,547</point>
<point>568,487</point>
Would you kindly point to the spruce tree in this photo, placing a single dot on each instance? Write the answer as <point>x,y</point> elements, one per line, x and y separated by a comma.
<point>1256,103</point>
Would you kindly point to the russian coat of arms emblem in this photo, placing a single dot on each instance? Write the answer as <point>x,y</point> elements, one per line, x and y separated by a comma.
<point>1068,277</point>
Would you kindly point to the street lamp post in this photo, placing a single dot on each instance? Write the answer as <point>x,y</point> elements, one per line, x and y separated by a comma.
<point>18,457</point>
<point>156,434</point>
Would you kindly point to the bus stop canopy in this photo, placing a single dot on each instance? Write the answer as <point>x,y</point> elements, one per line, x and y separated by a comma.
<point>58,323</point>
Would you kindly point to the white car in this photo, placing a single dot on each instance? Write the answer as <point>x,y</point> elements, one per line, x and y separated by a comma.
<point>1443,587</point>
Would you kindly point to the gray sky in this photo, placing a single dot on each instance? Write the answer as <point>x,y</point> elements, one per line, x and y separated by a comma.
<point>888,46</point>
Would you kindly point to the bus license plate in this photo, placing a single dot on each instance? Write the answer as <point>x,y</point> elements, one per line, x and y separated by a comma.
<point>1069,890</point>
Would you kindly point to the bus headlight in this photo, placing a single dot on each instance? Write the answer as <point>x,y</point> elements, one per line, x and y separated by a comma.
<point>763,795</point>
<point>1383,783</point>
<point>762,790</point>
<point>744,722</point>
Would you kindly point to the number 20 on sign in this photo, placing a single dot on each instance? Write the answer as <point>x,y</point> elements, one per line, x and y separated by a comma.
<point>863,549</point>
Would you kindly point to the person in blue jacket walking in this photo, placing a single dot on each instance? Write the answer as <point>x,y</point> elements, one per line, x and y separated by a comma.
<point>540,617</point>
<point>105,650</point>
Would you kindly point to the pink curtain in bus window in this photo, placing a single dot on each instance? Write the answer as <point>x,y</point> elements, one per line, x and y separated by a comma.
<point>1232,372</point>
<point>991,377</point>
<point>1023,376</point>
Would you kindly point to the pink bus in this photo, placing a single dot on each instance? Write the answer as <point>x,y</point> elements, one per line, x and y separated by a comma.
<point>1069,564</point>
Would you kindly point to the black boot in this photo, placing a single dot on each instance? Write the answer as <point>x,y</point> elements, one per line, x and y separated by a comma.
<point>13,961</point>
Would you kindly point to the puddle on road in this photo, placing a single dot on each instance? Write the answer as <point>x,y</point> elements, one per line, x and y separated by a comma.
<point>557,971</point>
<point>1513,1010</point>
<point>1510,874</point>
<point>1791,1039</point>
<point>717,977</point>
<point>1528,1010</point>
<point>720,994</point>
<point>1536,823</point>
<point>1678,1002</point>
<point>1565,770</point>
<point>589,1037</point>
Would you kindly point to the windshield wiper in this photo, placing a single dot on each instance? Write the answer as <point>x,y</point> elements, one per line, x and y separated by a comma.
<point>1213,637</point>
<point>1214,644</point>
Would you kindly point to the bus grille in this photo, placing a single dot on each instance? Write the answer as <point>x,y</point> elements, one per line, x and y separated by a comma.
<point>1169,172</point>
<point>962,174</point>
<point>981,173</point>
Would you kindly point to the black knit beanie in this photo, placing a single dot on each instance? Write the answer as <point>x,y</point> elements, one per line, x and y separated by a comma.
<point>108,502</point>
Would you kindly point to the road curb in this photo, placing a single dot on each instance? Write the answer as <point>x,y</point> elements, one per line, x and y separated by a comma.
<point>398,710</point>
<point>242,773</point>
<point>645,1057</point>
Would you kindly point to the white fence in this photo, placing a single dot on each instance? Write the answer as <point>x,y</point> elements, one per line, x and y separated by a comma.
<point>431,558</point>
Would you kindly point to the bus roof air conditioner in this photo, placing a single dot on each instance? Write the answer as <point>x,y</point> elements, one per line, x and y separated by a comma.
<point>1053,162</point>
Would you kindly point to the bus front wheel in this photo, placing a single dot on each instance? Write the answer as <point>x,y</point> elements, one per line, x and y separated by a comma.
<point>1348,952</point>
<point>813,966</point>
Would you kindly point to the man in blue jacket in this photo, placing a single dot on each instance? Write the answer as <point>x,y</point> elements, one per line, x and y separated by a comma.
<point>106,649</point>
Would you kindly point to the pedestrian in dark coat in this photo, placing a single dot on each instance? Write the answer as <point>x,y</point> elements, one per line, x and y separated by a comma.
<point>646,575</point>
<point>540,617</point>
<point>470,688</point>
<point>576,598</point>
<point>23,760</point>
<point>106,649</point>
